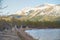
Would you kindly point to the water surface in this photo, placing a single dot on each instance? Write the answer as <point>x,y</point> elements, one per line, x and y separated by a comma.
<point>45,34</point>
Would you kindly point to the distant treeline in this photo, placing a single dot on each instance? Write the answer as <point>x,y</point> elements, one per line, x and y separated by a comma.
<point>32,24</point>
<point>41,24</point>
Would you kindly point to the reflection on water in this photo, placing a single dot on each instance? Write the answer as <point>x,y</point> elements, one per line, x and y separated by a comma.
<point>45,34</point>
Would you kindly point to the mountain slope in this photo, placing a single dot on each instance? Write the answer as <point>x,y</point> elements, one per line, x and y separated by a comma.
<point>45,12</point>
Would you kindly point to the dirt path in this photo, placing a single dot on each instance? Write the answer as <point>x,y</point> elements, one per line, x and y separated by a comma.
<point>8,36</point>
<point>23,35</point>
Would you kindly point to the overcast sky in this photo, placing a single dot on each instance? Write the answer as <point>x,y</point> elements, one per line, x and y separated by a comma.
<point>15,5</point>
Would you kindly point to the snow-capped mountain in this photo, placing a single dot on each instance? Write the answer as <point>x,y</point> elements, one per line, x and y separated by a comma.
<point>45,11</point>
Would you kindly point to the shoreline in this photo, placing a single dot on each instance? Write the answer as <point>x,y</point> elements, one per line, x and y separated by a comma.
<point>23,35</point>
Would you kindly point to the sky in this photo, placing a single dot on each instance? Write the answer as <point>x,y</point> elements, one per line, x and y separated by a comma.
<point>16,5</point>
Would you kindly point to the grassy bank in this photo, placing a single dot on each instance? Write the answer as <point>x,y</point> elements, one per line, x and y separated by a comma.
<point>32,24</point>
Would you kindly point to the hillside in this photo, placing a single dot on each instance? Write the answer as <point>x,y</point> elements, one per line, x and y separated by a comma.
<point>44,12</point>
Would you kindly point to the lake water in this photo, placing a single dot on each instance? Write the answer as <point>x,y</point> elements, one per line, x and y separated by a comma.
<point>45,34</point>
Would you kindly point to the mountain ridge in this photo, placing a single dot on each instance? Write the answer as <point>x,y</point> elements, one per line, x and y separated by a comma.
<point>45,11</point>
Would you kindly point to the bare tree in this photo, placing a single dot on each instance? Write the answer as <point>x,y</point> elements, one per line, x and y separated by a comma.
<point>2,7</point>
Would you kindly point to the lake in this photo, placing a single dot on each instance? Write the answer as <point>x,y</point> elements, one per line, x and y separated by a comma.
<point>44,34</point>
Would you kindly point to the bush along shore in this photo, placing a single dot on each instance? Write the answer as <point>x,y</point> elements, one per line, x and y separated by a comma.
<point>8,24</point>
